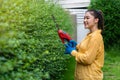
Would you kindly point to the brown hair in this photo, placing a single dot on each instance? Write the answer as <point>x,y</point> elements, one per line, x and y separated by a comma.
<point>98,14</point>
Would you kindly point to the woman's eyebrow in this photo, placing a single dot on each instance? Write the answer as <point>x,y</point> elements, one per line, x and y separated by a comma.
<point>86,16</point>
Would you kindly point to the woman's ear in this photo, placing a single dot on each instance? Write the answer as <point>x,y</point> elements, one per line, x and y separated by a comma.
<point>96,20</point>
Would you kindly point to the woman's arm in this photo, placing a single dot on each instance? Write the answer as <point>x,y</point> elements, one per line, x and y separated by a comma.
<point>90,54</point>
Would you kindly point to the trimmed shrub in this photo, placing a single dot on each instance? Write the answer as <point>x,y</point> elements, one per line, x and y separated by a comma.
<point>111,10</point>
<point>30,48</point>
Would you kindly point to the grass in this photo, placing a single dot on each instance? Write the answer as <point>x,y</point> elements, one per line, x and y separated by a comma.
<point>112,64</point>
<point>111,67</point>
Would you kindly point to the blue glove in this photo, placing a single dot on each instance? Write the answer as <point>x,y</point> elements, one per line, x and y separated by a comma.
<point>72,43</point>
<point>69,49</point>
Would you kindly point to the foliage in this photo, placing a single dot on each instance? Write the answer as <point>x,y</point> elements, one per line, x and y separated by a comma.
<point>30,48</point>
<point>111,10</point>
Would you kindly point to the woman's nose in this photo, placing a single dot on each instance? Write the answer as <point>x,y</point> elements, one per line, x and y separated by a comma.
<point>84,20</point>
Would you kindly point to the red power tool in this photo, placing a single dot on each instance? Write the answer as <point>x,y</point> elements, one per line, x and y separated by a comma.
<point>63,35</point>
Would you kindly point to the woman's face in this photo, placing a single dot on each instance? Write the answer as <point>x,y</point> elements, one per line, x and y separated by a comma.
<point>89,20</point>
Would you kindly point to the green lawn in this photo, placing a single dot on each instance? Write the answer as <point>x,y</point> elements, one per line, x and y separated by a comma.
<point>111,67</point>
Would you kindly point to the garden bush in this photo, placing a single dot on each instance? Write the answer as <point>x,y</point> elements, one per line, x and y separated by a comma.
<point>111,10</point>
<point>30,48</point>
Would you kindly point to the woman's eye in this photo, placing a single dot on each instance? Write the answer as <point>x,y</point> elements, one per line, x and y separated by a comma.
<point>87,17</point>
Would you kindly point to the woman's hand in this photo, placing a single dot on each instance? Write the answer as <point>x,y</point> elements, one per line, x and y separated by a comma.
<point>70,47</point>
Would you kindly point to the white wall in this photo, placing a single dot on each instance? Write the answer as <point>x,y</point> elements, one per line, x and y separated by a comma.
<point>81,31</point>
<point>74,3</point>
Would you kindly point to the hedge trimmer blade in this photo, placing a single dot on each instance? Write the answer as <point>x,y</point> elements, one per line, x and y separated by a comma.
<point>55,22</point>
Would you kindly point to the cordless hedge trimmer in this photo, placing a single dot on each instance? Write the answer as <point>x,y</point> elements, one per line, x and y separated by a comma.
<point>63,35</point>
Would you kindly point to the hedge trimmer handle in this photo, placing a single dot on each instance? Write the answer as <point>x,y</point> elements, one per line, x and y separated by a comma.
<point>64,36</point>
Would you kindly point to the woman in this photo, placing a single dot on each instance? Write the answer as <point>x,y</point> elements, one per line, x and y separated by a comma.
<point>89,54</point>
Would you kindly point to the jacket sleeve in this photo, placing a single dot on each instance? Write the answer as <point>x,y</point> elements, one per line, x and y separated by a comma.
<point>90,54</point>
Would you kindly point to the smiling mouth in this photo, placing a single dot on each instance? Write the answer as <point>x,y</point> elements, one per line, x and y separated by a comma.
<point>85,23</point>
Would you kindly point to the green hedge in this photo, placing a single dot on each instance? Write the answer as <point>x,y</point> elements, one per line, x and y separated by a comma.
<point>30,48</point>
<point>111,10</point>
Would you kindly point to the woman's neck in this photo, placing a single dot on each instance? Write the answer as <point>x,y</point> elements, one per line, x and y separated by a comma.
<point>93,29</point>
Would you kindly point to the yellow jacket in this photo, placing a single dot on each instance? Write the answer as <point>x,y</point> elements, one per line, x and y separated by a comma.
<point>89,57</point>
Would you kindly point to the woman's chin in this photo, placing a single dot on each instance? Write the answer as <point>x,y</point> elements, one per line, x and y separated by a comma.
<point>86,27</point>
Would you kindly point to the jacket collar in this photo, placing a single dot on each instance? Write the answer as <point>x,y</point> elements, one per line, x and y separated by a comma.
<point>91,33</point>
